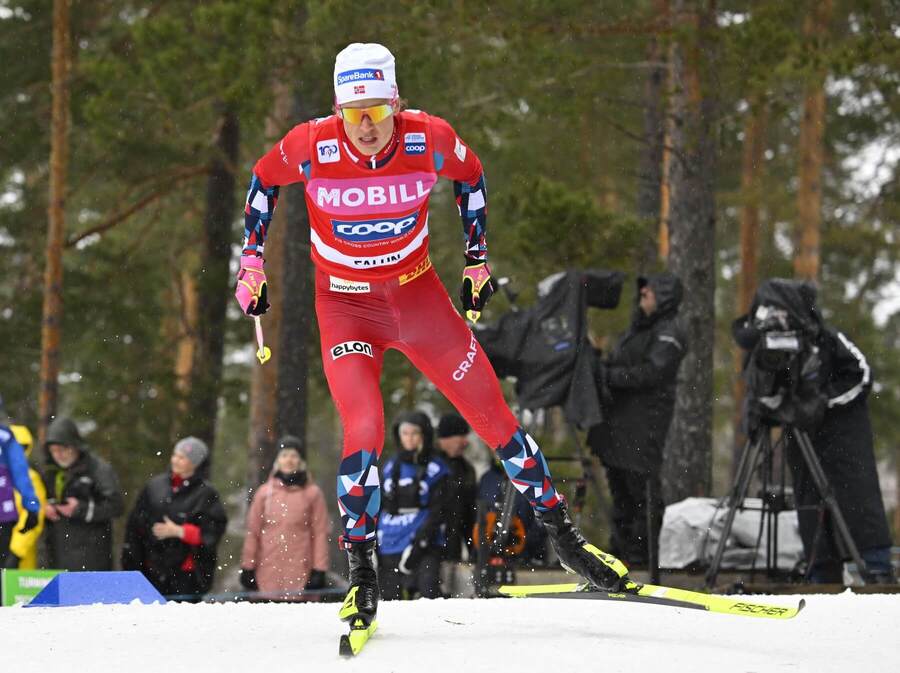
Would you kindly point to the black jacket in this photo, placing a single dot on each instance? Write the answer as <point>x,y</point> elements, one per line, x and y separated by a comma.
<point>83,541</point>
<point>462,489</point>
<point>844,445</point>
<point>639,376</point>
<point>546,347</point>
<point>162,561</point>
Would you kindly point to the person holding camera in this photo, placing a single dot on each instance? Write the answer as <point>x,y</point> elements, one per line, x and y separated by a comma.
<point>823,391</point>
<point>637,388</point>
<point>412,527</point>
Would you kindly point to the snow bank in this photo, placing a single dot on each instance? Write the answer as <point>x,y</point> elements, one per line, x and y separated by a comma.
<point>833,633</point>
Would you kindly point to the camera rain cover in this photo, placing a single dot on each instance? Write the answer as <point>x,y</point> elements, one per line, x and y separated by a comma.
<point>786,304</point>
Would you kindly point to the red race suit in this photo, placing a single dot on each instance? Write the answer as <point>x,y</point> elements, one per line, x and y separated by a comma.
<point>376,289</point>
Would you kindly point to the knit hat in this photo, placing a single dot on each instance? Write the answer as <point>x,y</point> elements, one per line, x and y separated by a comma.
<point>364,71</point>
<point>192,448</point>
<point>292,442</point>
<point>452,425</point>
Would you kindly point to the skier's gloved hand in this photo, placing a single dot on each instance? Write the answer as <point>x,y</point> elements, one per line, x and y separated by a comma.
<point>248,579</point>
<point>412,557</point>
<point>252,290</point>
<point>477,287</point>
<point>316,581</point>
<point>30,522</point>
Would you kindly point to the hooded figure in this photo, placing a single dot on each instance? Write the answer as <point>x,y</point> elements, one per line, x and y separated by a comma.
<point>411,530</point>
<point>176,524</point>
<point>637,385</point>
<point>286,545</point>
<point>83,499</point>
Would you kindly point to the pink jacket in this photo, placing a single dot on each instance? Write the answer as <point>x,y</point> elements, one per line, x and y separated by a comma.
<point>287,535</point>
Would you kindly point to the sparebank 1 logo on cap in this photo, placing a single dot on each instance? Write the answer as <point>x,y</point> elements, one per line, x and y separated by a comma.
<point>374,230</point>
<point>327,151</point>
<point>414,143</point>
<point>359,75</point>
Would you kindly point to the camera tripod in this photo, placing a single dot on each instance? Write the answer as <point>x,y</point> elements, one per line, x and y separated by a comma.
<point>759,454</point>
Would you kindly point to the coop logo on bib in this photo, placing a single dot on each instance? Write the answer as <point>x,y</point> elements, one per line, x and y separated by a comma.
<point>414,143</point>
<point>374,230</point>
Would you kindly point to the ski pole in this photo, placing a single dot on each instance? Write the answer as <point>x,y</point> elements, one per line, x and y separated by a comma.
<point>264,352</point>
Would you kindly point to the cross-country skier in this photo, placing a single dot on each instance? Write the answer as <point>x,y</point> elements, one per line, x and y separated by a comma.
<point>368,170</point>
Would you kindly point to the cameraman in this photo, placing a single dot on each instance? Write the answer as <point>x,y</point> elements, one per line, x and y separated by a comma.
<point>840,432</point>
<point>637,387</point>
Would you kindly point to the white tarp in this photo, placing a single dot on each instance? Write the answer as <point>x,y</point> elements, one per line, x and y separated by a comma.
<point>692,528</point>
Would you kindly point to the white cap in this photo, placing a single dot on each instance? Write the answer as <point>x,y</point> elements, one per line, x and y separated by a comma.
<point>364,71</point>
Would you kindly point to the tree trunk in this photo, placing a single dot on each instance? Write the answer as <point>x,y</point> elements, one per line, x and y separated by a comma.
<point>692,238</point>
<point>297,316</point>
<point>213,281</point>
<point>264,397</point>
<point>186,335</point>
<point>751,173</point>
<point>650,169</point>
<point>811,152</point>
<point>51,324</point>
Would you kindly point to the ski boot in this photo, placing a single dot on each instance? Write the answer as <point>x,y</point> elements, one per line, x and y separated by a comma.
<point>603,571</point>
<point>361,601</point>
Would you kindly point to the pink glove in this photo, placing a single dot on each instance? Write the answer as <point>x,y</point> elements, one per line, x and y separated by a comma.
<point>251,290</point>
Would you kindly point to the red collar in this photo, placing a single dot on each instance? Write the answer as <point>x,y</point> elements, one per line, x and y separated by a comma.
<point>379,159</point>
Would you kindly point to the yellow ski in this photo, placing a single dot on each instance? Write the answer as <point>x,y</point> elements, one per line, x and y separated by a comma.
<point>658,595</point>
<point>352,643</point>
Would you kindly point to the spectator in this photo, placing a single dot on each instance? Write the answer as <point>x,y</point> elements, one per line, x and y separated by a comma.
<point>24,543</point>
<point>462,486</point>
<point>13,477</point>
<point>637,383</point>
<point>414,503</point>
<point>286,546</point>
<point>84,498</point>
<point>176,525</point>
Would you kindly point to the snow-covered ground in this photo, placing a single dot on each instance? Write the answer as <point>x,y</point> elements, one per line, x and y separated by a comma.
<point>834,633</point>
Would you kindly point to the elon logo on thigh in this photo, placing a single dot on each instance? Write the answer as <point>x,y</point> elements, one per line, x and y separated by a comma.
<point>351,348</point>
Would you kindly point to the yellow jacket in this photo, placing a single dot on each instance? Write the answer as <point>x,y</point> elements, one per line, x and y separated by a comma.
<point>24,545</point>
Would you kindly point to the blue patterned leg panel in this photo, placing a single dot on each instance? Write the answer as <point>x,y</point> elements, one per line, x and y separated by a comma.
<point>359,495</point>
<point>527,469</point>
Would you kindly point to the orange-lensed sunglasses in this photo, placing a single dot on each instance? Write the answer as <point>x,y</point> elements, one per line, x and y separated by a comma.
<point>377,113</point>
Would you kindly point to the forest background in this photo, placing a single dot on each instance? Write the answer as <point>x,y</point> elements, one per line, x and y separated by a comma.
<point>726,141</point>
